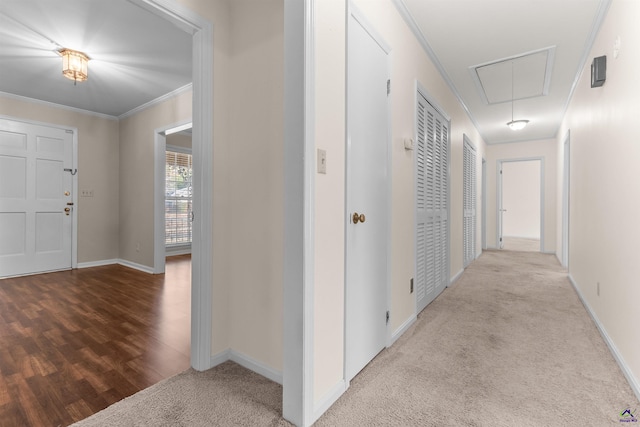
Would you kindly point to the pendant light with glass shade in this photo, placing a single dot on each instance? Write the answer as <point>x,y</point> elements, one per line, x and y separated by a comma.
<point>515,124</point>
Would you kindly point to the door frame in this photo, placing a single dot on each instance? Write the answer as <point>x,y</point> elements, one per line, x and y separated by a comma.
<point>566,198</point>
<point>355,13</point>
<point>159,185</point>
<point>484,203</point>
<point>202,256</point>
<point>74,180</point>
<point>499,197</point>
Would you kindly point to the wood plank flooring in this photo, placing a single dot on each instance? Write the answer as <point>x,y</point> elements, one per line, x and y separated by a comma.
<point>74,342</point>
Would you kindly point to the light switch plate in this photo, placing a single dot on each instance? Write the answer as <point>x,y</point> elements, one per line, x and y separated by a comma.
<point>322,161</point>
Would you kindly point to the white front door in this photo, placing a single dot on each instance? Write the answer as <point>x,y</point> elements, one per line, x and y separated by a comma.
<point>367,204</point>
<point>36,198</point>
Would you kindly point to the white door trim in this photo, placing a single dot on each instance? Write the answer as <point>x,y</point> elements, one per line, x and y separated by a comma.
<point>74,179</point>
<point>484,203</point>
<point>202,247</point>
<point>299,195</point>
<point>499,197</point>
<point>566,197</point>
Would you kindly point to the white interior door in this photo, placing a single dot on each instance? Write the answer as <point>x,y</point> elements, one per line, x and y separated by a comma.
<point>367,175</point>
<point>36,198</point>
<point>432,202</point>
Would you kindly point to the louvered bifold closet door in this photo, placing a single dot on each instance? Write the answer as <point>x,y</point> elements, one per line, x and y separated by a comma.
<point>432,233</point>
<point>469,203</point>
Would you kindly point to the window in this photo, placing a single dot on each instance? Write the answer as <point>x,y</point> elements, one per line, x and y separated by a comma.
<point>178,198</point>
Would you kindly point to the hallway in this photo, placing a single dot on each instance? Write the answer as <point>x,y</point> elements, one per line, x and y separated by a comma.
<point>509,344</point>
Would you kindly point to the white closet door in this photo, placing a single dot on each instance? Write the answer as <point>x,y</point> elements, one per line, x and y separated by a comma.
<point>432,202</point>
<point>469,202</point>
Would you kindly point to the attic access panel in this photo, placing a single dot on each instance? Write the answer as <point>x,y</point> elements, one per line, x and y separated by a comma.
<point>531,76</point>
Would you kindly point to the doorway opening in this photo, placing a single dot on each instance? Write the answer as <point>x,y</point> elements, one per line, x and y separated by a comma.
<point>521,205</point>
<point>202,146</point>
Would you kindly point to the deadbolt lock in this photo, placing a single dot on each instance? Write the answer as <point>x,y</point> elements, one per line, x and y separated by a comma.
<point>358,218</point>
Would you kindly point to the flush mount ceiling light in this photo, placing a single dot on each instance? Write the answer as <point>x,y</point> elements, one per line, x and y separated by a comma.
<point>515,124</point>
<point>74,65</point>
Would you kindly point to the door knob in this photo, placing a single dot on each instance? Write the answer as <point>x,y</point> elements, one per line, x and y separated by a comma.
<point>357,218</point>
<point>67,210</point>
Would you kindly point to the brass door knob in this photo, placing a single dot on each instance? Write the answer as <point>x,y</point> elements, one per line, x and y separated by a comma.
<point>358,218</point>
<point>67,210</point>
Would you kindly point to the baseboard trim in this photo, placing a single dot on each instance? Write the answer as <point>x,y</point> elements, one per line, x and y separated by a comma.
<point>456,277</point>
<point>549,252</point>
<point>328,399</point>
<point>97,263</point>
<point>136,266</point>
<point>255,366</point>
<point>631,379</point>
<point>246,362</point>
<point>402,329</point>
<point>219,358</point>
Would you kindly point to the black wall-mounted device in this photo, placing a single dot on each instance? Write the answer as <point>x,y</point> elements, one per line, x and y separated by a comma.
<point>598,71</point>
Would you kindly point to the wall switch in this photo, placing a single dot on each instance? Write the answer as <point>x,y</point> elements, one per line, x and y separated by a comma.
<point>322,161</point>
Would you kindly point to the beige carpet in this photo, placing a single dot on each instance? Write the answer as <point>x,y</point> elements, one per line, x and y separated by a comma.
<point>510,344</point>
<point>520,244</point>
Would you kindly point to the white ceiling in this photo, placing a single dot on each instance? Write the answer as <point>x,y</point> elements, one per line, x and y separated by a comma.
<point>137,56</point>
<point>466,33</point>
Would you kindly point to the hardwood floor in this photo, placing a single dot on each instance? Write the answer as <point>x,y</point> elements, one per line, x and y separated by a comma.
<point>74,342</point>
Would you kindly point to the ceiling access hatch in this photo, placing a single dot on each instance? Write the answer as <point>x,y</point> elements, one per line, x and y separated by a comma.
<point>531,76</point>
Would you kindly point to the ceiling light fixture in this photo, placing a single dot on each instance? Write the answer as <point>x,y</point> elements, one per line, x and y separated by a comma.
<point>515,124</point>
<point>74,65</point>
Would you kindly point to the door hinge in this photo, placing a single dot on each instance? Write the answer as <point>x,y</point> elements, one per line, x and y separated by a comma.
<point>388,87</point>
<point>387,317</point>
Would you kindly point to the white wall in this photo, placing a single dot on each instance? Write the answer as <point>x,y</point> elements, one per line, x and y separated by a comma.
<point>329,197</point>
<point>409,63</point>
<point>605,154</point>
<point>521,199</point>
<point>136,192</point>
<point>256,180</point>
<point>545,149</point>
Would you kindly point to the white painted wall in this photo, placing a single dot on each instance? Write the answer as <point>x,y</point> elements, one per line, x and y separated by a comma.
<point>605,201</point>
<point>136,166</point>
<point>329,197</point>
<point>255,180</point>
<point>521,199</point>
<point>546,149</point>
